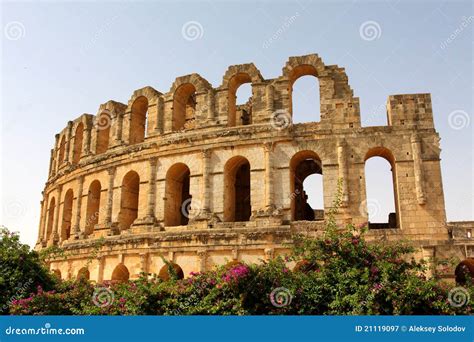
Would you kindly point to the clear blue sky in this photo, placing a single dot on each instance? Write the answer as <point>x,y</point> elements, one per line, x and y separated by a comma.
<point>60,60</point>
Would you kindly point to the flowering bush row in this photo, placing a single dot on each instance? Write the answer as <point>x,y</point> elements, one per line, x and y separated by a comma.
<point>338,273</point>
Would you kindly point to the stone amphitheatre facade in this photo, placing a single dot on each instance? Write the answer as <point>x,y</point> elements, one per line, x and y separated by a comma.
<point>191,177</point>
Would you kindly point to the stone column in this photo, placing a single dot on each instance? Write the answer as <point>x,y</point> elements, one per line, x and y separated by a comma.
<point>118,131</point>
<point>45,220</point>
<point>160,114</point>
<point>210,105</point>
<point>150,216</point>
<point>68,142</point>
<point>110,199</point>
<point>55,235</point>
<point>417,163</point>
<point>270,97</point>
<point>144,262</point>
<point>202,257</point>
<point>86,142</point>
<point>77,219</point>
<point>342,171</point>
<point>269,206</point>
<point>40,228</point>
<point>205,191</point>
<point>100,272</point>
<point>269,254</point>
<point>56,153</point>
<point>51,159</point>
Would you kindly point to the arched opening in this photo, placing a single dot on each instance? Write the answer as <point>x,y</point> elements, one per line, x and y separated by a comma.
<point>464,271</point>
<point>240,100</point>
<point>67,215</point>
<point>184,107</point>
<point>138,119</point>
<point>83,273</point>
<point>56,273</point>
<point>170,269</point>
<point>49,227</point>
<point>177,195</point>
<point>120,273</point>
<point>78,137</point>
<point>62,149</point>
<point>129,200</point>
<point>237,204</point>
<point>103,132</point>
<point>93,206</point>
<point>302,165</point>
<point>380,180</point>
<point>304,94</point>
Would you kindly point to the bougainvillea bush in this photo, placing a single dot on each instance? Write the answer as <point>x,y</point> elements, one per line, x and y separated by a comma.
<point>337,273</point>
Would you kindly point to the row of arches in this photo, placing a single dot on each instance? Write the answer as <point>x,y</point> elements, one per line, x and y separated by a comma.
<point>304,107</point>
<point>237,207</point>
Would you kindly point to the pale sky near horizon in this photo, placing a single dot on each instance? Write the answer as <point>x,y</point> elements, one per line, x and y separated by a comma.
<point>62,59</point>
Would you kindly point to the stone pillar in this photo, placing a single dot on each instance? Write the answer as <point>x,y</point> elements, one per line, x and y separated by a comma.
<point>100,271</point>
<point>160,115</point>
<point>86,142</point>
<point>110,200</point>
<point>45,220</point>
<point>118,130</point>
<point>68,142</point>
<point>210,105</point>
<point>55,235</point>
<point>342,172</point>
<point>150,216</point>
<point>77,219</point>
<point>51,159</point>
<point>56,153</point>
<point>205,190</point>
<point>202,257</point>
<point>270,97</point>
<point>144,262</point>
<point>269,206</point>
<point>417,163</point>
<point>269,254</point>
<point>40,227</point>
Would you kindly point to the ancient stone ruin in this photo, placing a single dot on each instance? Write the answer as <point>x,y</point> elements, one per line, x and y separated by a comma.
<point>192,177</point>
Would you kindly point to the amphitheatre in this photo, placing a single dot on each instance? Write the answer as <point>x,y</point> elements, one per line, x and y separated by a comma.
<point>192,177</point>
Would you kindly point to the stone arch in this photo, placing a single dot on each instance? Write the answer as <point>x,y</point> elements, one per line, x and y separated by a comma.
<point>104,121</point>
<point>93,206</point>
<point>302,165</point>
<point>234,77</point>
<point>51,209</point>
<point>67,215</point>
<point>78,138</point>
<point>464,271</point>
<point>385,153</point>
<point>83,273</point>
<point>165,273</point>
<point>57,273</point>
<point>120,273</point>
<point>138,120</point>
<point>62,149</point>
<point>237,204</point>
<point>177,195</point>
<point>129,199</point>
<point>185,91</point>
